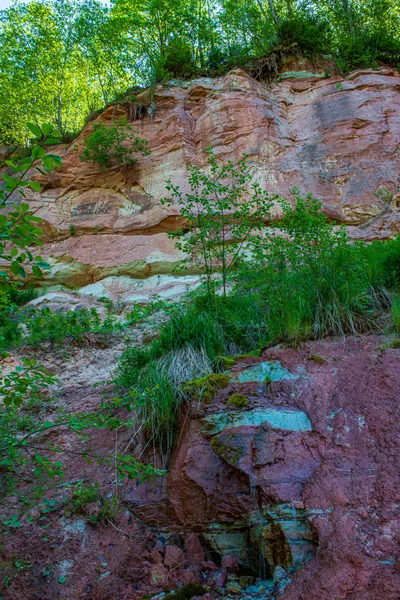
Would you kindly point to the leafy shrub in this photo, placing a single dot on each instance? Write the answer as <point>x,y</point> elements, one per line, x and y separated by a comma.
<point>74,326</point>
<point>84,494</point>
<point>383,263</point>
<point>19,295</point>
<point>311,35</point>
<point>105,145</point>
<point>175,61</point>
<point>369,49</point>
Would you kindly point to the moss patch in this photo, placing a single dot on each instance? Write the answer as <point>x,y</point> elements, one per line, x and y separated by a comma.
<point>225,362</point>
<point>238,400</point>
<point>187,592</point>
<point>318,359</point>
<point>225,452</point>
<point>205,388</point>
<point>252,354</point>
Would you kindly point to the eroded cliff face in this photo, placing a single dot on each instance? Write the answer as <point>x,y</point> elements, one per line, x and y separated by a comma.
<point>292,494</point>
<point>336,138</point>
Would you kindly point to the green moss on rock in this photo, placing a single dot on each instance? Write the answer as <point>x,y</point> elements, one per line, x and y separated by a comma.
<point>251,354</point>
<point>187,592</point>
<point>225,452</point>
<point>238,400</point>
<point>205,388</point>
<point>318,359</point>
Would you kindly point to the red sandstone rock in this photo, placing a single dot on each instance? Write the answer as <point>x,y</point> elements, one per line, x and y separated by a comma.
<point>339,143</point>
<point>158,575</point>
<point>230,563</point>
<point>194,549</point>
<point>156,556</point>
<point>221,579</point>
<point>174,557</point>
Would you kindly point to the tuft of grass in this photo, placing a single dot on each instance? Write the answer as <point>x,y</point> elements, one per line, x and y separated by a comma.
<point>395,312</point>
<point>83,495</point>
<point>393,344</point>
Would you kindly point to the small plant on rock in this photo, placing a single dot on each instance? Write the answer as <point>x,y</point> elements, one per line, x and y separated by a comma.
<point>117,143</point>
<point>223,211</point>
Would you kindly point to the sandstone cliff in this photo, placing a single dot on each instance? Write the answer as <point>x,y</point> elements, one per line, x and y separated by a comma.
<point>336,138</point>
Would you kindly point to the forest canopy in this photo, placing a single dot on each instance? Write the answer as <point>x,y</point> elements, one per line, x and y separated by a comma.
<point>61,60</point>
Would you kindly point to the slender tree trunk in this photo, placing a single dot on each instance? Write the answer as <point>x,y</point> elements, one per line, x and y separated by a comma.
<point>273,12</point>
<point>289,8</point>
<point>262,9</point>
<point>349,17</point>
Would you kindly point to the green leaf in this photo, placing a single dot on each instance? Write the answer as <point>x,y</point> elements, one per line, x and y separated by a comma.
<point>48,163</point>
<point>12,182</point>
<point>37,152</point>
<point>62,579</point>
<point>42,264</point>
<point>35,185</point>
<point>37,272</point>
<point>47,128</point>
<point>51,141</point>
<point>16,269</point>
<point>57,159</point>
<point>34,129</point>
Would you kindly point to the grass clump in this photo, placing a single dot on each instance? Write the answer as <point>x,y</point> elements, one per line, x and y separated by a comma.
<point>395,312</point>
<point>393,344</point>
<point>238,400</point>
<point>305,280</point>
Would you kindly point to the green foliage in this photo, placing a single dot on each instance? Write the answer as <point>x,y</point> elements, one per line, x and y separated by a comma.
<point>105,145</point>
<point>83,494</point>
<point>25,382</point>
<point>383,262</point>
<point>188,591</point>
<point>369,49</point>
<point>72,326</point>
<point>395,312</point>
<point>18,226</point>
<point>221,217</point>
<point>205,388</point>
<point>311,35</point>
<point>315,281</point>
<point>238,401</point>
<point>177,61</point>
<point>80,56</point>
